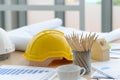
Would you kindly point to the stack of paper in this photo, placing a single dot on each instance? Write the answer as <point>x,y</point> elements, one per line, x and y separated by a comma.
<point>108,68</point>
<point>115,46</point>
<point>115,50</point>
<point>99,75</point>
<point>10,72</point>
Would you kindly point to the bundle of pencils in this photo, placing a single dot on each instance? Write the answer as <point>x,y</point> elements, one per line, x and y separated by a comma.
<point>81,47</point>
<point>81,43</point>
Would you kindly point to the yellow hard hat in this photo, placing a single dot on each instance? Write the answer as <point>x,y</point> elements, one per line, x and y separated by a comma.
<point>48,44</point>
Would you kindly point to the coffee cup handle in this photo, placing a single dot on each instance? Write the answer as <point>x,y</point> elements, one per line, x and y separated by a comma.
<point>84,70</point>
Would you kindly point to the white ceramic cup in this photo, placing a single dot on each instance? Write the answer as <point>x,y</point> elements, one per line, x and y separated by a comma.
<point>70,72</point>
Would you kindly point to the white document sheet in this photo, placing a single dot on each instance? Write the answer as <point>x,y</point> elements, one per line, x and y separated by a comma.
<point>115,50</point>
<point>115,46</point>
<point>14,72</point>
<point>98,75</point>
<point>109,68</point>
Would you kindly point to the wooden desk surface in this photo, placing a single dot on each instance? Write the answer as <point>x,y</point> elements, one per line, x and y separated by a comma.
<point>16,58</point>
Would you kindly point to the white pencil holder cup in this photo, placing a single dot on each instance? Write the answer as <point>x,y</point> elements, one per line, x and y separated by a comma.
<point>82,59</point>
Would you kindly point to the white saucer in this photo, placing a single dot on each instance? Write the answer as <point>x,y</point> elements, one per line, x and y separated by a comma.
<point>82,78</point>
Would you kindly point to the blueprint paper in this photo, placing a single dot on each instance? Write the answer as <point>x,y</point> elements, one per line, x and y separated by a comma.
<point>14,72</point>
<point>98,75</point>
<point>109,68</point>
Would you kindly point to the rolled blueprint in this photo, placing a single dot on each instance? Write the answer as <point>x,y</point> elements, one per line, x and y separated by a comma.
<point>50,24</point>
<point>21,36</point>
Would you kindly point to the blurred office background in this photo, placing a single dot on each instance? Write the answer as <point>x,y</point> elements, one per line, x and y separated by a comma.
<point>89,15</point>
